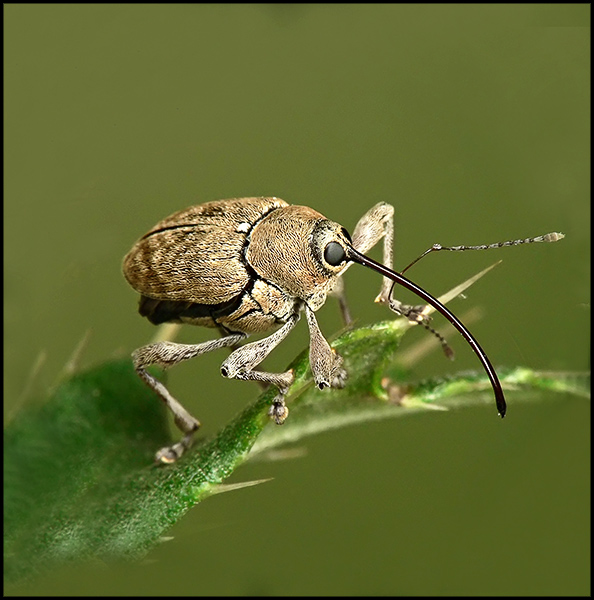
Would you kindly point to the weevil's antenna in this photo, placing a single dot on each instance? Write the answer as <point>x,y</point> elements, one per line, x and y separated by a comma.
<point>555,236</point>
<point>357,257</point>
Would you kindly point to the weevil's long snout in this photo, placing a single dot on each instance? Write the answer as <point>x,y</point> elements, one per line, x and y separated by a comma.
<point>357,257</point>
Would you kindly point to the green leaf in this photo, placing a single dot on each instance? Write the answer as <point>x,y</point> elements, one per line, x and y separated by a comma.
<point>79,480</point>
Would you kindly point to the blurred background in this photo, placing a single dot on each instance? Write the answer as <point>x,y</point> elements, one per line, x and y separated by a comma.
<point>472,120</point>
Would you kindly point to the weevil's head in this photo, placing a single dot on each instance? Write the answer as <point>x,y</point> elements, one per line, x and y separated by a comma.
<point>303,253</point>
<point>300,251</point>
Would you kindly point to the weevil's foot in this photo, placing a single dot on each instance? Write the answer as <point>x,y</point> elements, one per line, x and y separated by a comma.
<point>383,297</point>
<point>170,454</point>
<point>334,377</point>
<point>338,375</point>
<point>339,378</point>
<point>278,411</point>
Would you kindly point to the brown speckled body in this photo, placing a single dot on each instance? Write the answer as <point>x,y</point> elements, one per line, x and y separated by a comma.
<point>242,265</point>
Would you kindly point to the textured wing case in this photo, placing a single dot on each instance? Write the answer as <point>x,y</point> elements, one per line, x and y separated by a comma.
<point>196,255</point>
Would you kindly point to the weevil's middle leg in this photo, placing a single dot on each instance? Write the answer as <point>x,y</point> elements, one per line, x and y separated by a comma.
<point>242,362</point>
<point>166,354</point>
<point>263,385</point>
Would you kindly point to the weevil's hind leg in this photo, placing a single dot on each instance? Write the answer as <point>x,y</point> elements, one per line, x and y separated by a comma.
<point>166,354</point>
<point>242,362</point>
<point>325,362</point>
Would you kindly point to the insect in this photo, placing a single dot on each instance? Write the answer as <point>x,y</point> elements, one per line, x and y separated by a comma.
<point>251,265</point>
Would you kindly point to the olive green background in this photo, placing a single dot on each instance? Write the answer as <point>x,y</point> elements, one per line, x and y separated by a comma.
<point>472,120</point>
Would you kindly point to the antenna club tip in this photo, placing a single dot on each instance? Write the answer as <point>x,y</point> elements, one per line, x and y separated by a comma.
<point>501,413</point>
<point>555,236</point>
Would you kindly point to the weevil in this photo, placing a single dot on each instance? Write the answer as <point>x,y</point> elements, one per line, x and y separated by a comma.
<point>254,265</point>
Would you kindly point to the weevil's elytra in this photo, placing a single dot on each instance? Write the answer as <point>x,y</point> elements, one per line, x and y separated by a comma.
<point>253,265</point>
<point>197,257</point>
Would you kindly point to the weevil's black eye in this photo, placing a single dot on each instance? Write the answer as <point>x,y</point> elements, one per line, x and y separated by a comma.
<point>334,254</point>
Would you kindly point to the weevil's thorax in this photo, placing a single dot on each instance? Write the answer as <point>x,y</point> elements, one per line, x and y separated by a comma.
<point>286,249</point>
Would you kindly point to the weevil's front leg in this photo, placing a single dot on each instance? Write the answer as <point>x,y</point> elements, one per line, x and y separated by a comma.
<point>375,224</point>
<point>241,364</point>
<point>325,362</point>
<point>166,354</point>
